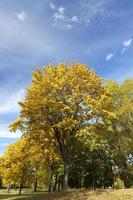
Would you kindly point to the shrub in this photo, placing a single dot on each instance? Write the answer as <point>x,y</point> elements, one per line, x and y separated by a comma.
<point>118,184</point>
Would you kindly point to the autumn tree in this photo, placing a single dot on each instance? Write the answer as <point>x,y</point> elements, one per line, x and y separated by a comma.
<point>1,170</point>
<point>16,167</point>
<point>42,158</point>
<point>61,102</point>
<point>119,133</point>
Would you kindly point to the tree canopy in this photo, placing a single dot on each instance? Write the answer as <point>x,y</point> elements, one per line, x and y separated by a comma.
<point>74,123</point>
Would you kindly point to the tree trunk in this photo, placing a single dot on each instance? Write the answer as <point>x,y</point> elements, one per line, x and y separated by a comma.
<point>66,174</point>
<point>60,183</point>
<point>20,188</point>
<point>35,185</point>
<point>50,183</point>
<point>58,186</point>
<point>63,148</point>
<point>55,184</point>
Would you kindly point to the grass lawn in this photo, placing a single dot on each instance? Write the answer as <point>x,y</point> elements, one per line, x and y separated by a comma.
<point>123,194</point>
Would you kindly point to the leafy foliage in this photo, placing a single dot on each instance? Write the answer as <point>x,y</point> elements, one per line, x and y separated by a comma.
<point>76,128</point>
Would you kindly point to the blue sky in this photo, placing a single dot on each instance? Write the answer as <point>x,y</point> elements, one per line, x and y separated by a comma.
<point>98,33</point>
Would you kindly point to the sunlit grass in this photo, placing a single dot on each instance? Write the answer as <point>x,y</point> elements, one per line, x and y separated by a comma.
<point>123,194</point>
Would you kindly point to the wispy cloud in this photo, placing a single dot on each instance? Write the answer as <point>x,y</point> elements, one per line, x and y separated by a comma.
<point>30,38</point>
<point>126,44</point>
<point>85,11</point>
<point>60,17</point>
<point>109,56</point>
<point>21,16</point>
<point>75,19</point>
<point>52,6</point>
<point>10,103</point>
<point>5,133</point>
<point>61,10</point>
<point>91,9</point>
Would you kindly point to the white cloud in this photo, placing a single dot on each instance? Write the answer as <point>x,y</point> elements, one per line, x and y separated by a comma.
<point>126,44</point>
<point>109,56</point>
<point>58,16</point>
<point>85,11</point>
<point>52,6</point>
<point>61,10</point>
<point>21,16</point>
<point>75,19</point>
<point>10,103</point>
<point>5,133</point>
<point>63,20</point>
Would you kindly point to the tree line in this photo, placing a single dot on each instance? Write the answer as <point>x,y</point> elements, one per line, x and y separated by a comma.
<point>77,132</point>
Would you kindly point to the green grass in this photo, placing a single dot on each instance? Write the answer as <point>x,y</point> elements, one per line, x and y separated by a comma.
<point>123,194</point>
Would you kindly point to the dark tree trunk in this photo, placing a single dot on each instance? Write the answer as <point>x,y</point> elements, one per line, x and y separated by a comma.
<point>58,186</point>
<point>50,183</point>
<point>20,188</point>
<point>65,154</point>
<point>35,185</point>
<point>50,188</point>
<point>55,184</point>
<point>60,182</point>
<point>66,174</point>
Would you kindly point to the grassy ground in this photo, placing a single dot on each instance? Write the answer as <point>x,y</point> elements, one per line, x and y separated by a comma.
<point>123,194</point>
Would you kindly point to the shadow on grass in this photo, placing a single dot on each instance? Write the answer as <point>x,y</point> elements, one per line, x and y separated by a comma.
<point>46,196</point>
<point>13,196</point>
<point>74,195</point>
<point>69,195</point>
<point>99,192</point>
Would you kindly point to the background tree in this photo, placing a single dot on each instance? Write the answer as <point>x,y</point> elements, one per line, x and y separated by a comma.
<point>16,164</point>
<point>119,135</point>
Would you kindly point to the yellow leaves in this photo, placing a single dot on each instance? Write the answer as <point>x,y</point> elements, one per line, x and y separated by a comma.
<point>83,133</point>
<point>62,69</point>
<point>18,159</point>
<point>66,124</point>
<point>56,93</point>
<point>62,98</point>
<point>17,123</point>
<point>36,77</point>
<point>49,70</point>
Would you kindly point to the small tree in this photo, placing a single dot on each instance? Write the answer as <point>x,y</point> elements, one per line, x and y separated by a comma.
<point>16,168</point>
